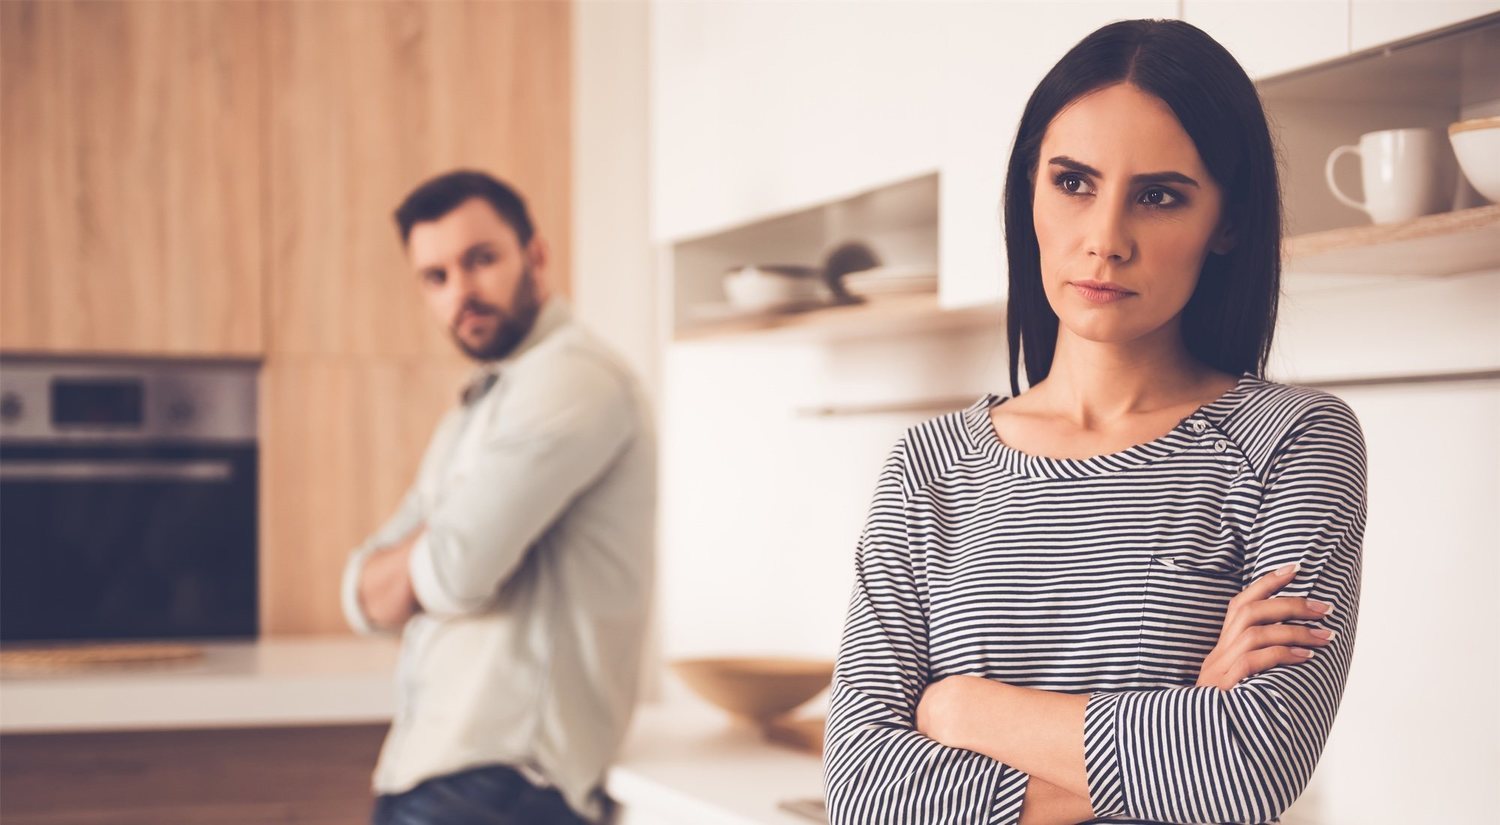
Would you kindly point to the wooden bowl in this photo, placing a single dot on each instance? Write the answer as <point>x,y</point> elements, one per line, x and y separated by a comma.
<point>758,689</point>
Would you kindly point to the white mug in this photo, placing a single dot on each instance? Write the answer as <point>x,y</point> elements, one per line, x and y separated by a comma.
<point>1406,173</point>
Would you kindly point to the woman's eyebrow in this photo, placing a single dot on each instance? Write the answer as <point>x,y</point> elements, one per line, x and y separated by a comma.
<point>1148,177</point>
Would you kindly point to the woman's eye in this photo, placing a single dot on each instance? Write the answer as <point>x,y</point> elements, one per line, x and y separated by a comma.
<point>1070,183</point>
<point>1160,197</point>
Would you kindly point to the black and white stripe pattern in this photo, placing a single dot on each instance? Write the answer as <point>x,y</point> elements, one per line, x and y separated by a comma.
<point>1107,576</point>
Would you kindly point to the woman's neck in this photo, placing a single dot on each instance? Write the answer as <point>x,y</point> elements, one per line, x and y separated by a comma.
<point>1094,384</point>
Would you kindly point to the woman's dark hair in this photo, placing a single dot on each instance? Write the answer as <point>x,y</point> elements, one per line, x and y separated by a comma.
<point>1230,318</point>
<point>444,193</point>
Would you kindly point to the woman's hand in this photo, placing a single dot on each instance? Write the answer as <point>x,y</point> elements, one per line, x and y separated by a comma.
<point>951,712</point>
<point>1253,640</point>
<point>944,705</point>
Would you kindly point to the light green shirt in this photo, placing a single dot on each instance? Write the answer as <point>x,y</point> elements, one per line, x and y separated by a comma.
<point>535,572</point>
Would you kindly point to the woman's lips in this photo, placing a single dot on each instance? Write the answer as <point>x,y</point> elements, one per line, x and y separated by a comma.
<point>1100,295</point>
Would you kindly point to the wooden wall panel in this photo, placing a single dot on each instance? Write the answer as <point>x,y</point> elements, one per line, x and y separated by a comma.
<point>131,159</point>
<point>368,99</point>
<point>341,443</point>
<point>371,98</point>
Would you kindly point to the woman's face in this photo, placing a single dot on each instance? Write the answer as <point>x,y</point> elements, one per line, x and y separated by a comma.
<point>1121,197</point>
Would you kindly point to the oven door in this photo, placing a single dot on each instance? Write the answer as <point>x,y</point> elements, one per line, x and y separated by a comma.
<point>127,542</point>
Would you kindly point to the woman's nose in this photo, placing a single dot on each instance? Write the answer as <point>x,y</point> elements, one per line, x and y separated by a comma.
<point>1109,234</point>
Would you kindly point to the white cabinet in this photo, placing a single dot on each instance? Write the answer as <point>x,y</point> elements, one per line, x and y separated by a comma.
<point>764,108</point>
<point>1272,36</point>
<point>767,108</point>
<point>1373,22</point>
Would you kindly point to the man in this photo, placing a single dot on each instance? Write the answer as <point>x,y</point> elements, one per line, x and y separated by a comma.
<point>519,567</point>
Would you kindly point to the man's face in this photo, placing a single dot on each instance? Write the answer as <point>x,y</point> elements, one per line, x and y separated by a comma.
<point>478,280</point>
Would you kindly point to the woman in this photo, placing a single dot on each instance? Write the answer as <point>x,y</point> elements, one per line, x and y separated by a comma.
<point>1104,597</point>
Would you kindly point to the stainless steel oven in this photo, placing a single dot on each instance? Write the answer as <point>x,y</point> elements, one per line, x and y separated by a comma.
<point>127,500</point>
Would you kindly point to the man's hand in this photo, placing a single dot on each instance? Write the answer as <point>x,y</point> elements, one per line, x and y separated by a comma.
<point>385,592</point>
<point>1253,639</point>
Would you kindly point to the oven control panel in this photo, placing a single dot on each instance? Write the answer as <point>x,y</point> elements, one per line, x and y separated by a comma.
<point>65,400</point>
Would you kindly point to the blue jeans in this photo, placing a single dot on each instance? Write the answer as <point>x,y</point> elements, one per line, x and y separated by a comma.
<point>490,795</point>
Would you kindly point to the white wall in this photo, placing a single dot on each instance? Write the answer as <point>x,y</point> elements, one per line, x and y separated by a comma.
<point>614,283</point>
<point>1418,713</point>
<point>614,280</point>
<point>1417,738</point>
<point>763,504</point>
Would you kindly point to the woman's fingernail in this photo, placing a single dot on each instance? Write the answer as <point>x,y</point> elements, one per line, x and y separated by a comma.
<point>1323,633</point>
<point>1302,651</point>
<point>1287,568</point>
<point>1321,607</point>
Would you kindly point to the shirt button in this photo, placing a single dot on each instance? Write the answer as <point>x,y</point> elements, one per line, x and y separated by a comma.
<point>1221,445</point>
<point>1199,426</point>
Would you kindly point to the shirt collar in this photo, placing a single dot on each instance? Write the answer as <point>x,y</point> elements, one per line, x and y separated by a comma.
<point>554,314</point>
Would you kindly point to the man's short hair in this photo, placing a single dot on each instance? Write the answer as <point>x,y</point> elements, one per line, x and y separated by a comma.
<point>444,193</point>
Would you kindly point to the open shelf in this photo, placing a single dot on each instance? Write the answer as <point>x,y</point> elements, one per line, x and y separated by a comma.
<point>1432,245</point>
<point>1443,244</point>
<point>1426,81</point>
<point>877,316</point>
<point>898,221</point>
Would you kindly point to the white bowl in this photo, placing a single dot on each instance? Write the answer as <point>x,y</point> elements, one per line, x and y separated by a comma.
<point>756,288</point>
<point>1477,144</point>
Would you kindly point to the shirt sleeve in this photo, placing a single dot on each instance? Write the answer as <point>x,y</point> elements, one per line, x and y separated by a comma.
<point>1199,754</point>
<point>877,767</point>
<point>408,517</point>
<point>557,433</point>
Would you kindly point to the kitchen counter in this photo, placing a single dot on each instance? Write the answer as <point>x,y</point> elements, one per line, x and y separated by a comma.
<point>686,763</point>
<point>309,680</point>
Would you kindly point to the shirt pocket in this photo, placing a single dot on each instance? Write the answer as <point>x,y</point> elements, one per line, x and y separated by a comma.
<point>1186,598</point>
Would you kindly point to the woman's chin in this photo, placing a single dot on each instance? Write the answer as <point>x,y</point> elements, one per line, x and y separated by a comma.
<point>1100,330</point>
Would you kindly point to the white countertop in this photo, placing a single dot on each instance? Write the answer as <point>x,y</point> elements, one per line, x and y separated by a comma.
<point>687,762</point>
<point>286,681</point>
<point>683,761</point>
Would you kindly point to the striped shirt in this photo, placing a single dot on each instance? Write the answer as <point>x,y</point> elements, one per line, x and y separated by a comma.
<point>1108,576</point>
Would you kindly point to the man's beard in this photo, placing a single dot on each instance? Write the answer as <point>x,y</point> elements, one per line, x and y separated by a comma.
<point>510,328</point>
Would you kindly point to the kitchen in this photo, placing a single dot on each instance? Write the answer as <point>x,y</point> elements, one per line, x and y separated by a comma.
<point>270,249</point>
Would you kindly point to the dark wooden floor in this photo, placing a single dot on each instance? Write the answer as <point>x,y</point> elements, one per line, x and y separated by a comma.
<point>237,776</point>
